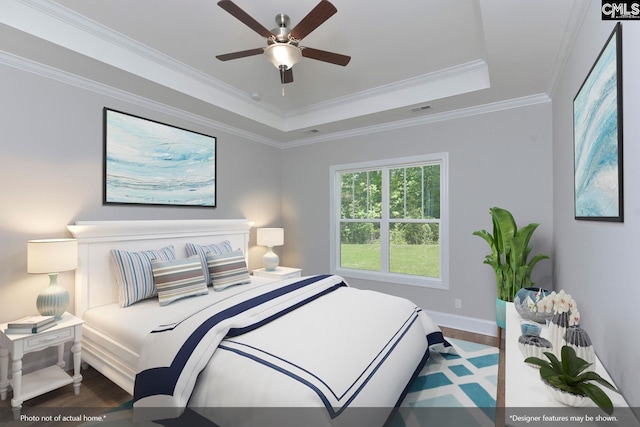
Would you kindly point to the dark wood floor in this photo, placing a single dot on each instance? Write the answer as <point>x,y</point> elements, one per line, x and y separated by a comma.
<point>98,394</point>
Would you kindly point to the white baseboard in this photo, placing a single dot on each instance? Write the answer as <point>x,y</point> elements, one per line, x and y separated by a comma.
<point>464,323</point>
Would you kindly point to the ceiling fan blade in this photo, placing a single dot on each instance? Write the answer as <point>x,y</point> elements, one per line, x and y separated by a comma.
<point>244,17</point>
<point>322,55</point>
<point>241,54</point>
<point>323,11</point>
<point>286,76</point>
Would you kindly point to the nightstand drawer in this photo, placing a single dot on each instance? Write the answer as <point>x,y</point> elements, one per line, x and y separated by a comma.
<point>46,339</point>
<point>279,273</point>
<point>290,275</point>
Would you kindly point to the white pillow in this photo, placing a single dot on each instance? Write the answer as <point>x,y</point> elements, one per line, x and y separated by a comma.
<point>134,275</point>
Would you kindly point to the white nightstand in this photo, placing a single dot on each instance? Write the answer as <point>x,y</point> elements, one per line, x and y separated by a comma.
<point>279,273</point>
<point>25,387</point>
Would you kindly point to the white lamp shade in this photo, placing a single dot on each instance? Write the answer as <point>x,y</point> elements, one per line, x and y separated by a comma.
<point>270,236</point>
<point>283,54</point>
<point>52,255</point>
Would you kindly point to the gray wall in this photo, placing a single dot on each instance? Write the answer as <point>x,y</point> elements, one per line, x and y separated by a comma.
<point>495,159</point>
<point>594,261</point>
<point>51,176</point>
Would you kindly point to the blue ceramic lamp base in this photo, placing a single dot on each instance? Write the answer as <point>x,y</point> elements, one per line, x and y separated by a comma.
<point>53,300</point>
<point>270,260</point>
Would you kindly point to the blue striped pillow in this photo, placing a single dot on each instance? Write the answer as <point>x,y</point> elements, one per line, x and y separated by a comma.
<point>203,250</point>
<point>180,278</point>
<point>134,275</point>
<point>227,270</point>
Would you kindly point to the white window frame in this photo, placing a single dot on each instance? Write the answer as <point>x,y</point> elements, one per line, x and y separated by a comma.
<point>384,276</point>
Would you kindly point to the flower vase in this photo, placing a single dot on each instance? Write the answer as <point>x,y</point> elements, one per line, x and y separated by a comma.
<point>533,346</point>
<point>557,330</point>
<point>501,313</point>
<point>521,302</point>
<point>565,397</point>
<point>578,338</point>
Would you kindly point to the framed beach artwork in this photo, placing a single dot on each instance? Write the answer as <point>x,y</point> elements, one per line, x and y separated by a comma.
<point>152,163</point>
<point>597,133</point>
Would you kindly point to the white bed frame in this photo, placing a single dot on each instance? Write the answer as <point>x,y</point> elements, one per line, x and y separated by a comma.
<point>95,284</point>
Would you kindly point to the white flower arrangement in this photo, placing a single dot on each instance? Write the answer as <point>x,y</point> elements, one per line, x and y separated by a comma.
<point>558,303</point>
<point>532,305</point>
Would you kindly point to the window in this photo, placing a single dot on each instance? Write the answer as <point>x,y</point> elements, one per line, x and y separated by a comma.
<point>389,220</point>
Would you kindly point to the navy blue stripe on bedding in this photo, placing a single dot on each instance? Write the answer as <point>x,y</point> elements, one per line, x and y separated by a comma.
<point>401,332</point>
<point>396,339</point>
<point>162,380</point>
<point>234,332</point>
<point>432,339</point>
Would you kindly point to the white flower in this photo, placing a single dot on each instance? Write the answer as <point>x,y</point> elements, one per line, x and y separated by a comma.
<point>555,303</point>
<point>531,304</point>
<point>545,305</point>
<point>562,302</point>
<point>574,319</point>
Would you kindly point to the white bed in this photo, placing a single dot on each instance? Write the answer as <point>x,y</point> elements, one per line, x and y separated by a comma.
<point>112,346</point>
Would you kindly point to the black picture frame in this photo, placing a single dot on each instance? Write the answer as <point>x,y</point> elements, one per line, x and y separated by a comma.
<point>598,137</point>
<point>147,162</point>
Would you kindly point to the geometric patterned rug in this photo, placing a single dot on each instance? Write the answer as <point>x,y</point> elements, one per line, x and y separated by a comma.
<point>454,389</point>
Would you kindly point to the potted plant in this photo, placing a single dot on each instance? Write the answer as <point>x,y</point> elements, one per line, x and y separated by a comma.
<point>509,257</point>
<point>568,381</point>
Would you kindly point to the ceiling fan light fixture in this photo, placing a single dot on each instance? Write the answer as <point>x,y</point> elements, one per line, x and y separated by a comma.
<point>283,55</point>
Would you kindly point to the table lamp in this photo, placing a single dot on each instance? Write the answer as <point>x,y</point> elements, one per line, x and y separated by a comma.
<point>51,257</point>
<point>270,237</point>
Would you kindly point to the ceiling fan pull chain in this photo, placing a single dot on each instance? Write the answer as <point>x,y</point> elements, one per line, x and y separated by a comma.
<point>282,70</point>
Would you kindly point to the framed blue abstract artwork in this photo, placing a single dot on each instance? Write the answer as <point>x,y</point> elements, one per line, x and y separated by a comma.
<point>597,133</point>
<point>151,163</point>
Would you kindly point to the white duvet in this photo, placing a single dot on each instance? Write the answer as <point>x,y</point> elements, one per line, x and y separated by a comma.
<point>340,351</point>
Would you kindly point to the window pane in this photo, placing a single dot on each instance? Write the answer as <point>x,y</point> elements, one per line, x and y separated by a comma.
<point>413,193</point>
<point>360,245</point>
<point>346,195</point>
<point>432,191</point>
<point>414,249</point>
<point>396,193</point>
<point>361,195</point>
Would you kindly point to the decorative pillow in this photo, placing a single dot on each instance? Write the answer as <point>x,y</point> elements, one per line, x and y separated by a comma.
<point>180,278</point>
<point>134,275</point>
<point>227,270</point>
<point>203,250</point>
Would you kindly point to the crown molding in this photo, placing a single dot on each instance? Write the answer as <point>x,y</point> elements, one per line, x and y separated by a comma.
<point>50,21</point>
<point>70,79</point>
<point>444,83</point>
<point>566,45</point>
<point>433,118</point>
<point>65,27</point>
<point>65,77</point>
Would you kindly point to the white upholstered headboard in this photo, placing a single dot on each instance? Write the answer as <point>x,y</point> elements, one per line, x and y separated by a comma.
<point>94,282</point>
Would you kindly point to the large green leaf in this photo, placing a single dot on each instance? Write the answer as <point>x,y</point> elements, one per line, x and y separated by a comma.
<point>536,361</point>
<point>571,363</point>
<point>504,227</point>
<point>598,396</point>
<point>509,253</point>
<point>565,374</point>
<point>592,376</point>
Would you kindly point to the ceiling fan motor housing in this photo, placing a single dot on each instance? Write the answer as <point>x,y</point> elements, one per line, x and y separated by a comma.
<point>281,33</point>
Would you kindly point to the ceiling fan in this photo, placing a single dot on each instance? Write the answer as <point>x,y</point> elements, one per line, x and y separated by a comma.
<point>283,49</point>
